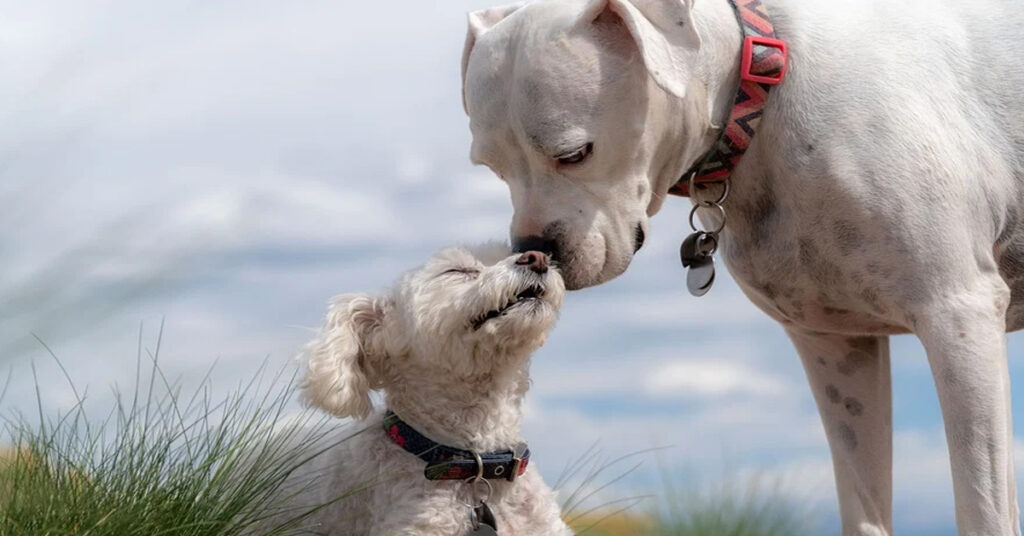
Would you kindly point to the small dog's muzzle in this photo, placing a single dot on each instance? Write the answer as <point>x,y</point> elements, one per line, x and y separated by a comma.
<point>536,261</point>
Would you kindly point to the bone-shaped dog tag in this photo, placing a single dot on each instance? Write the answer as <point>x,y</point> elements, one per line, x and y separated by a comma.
<point>482,522</point>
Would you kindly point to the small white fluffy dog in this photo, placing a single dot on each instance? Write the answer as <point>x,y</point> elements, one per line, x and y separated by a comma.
<point>450,349</point>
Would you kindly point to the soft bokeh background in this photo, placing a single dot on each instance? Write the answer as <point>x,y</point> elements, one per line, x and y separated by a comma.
<point>229,166</point>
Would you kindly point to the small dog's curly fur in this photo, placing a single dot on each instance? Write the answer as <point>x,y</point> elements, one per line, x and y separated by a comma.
<point>450,349</point>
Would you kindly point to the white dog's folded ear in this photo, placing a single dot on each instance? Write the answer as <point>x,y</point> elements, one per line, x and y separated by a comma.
<point>342,362</point>
<point>479,22</point>
<point>665,33</point>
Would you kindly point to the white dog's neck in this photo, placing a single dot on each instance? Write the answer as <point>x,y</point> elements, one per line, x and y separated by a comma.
<point>709,100</point>
<point>721,43</point>
<point>481,413</point>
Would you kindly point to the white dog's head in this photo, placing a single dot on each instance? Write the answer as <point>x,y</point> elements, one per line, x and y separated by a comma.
<point>585,108</point>
<point>463,314</point>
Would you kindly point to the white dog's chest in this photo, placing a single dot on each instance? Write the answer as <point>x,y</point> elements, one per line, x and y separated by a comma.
<point>796,282</point>
<point>812,256</point>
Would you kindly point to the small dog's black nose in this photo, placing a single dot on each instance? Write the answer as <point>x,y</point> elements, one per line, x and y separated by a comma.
<point>522,244</point>
<point>534,260</point>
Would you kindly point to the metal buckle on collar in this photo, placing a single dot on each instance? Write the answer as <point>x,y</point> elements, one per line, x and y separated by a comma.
<point>517,464</point>
<point>747,59</point>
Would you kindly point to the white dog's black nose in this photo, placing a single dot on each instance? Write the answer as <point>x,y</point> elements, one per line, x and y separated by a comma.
<point>534,260</point>
<point>522,244</point>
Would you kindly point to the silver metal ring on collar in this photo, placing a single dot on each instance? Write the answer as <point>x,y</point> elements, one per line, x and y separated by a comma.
<point>479,465</point>
<point>708,204</point>
<point>475,481</point>
<point>692,187</point>
<point>703,244</point>
<point>474,487</point>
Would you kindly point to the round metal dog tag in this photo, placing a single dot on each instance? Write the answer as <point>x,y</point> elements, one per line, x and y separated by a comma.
<point>483,530</point>
<point>482,522</point>
<point>700,276</point>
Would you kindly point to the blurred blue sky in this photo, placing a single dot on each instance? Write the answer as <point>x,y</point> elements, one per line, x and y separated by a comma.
<point>229,166</point>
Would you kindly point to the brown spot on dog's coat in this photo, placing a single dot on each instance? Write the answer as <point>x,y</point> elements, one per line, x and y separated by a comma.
<point>807,252</point>
<point>864,344</point>
<point>853,362</point>
<point>848,237</point>
<point>847,436</point>
<point>818,267</point>
<point>911,319</point>
<point>760,214</point>
<point>853,406</point>
<point>832,393</point>
<point>870,297</point>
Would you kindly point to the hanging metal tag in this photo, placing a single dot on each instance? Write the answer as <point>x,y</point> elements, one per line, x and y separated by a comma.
<point>481,518</point>
<point>700,276</point>
<point>482,522</point>
<point>697,256</point>
<point>698,249</point>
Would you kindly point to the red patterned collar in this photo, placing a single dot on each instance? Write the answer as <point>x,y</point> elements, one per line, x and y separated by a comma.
<point>762,65</point>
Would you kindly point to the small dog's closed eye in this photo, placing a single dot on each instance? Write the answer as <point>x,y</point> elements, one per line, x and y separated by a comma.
<point>449,348</point>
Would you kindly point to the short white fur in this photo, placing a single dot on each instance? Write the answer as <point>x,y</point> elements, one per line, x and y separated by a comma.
<point>883,193</point>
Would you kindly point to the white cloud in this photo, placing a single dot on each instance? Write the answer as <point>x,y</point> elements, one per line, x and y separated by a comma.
<point>413,169</point>
<point>710,370</point>
<point>710,378</point>
<point>210,210</point>
<point>480,190</point>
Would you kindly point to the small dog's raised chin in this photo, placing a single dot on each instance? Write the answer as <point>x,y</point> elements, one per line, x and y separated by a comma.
<point>449,348</point>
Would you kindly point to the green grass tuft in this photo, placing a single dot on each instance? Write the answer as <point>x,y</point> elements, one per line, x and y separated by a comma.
<point>162,465</point>
<point>750,507</point>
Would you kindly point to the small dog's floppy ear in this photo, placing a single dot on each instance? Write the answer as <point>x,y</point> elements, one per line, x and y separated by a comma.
<point>479,22</point>
<point>665,34</point>
<point>342,362</point>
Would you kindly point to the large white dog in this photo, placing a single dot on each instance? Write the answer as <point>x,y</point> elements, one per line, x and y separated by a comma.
<point>881,195</point>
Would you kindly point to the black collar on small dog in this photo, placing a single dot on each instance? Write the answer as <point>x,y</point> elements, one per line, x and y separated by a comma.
<point>450,463</point>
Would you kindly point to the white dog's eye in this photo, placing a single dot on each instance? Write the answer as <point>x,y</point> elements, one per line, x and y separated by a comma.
<point>464,271</point>
<point>575,156</point>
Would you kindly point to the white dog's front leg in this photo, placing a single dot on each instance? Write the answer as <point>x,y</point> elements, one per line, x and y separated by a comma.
<point>850,379</point>
<point>964,335</point>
